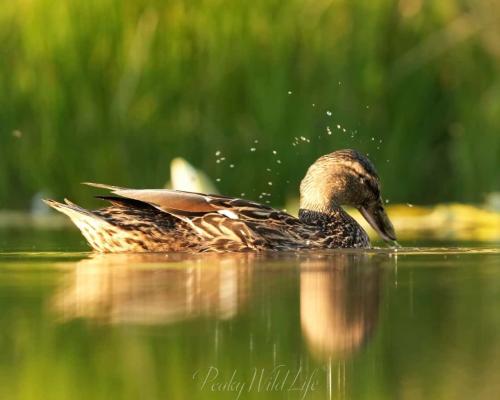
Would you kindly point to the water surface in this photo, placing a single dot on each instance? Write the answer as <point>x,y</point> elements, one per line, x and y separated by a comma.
<point>412,324</point>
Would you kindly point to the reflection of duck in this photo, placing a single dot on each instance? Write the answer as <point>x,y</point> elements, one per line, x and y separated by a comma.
<point>339,302</point>
<point>167,220</point>
<point>142,289</point>
<point>339,293</point>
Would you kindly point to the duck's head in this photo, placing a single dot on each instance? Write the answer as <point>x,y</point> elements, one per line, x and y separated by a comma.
<point>346,177</point>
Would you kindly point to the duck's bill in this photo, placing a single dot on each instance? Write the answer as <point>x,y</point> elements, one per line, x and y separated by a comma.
<point>376,216</point>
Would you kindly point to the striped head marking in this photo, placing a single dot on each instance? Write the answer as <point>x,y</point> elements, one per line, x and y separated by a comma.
<point>344,177</point>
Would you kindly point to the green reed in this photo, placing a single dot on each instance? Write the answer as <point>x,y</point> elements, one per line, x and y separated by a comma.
<point>111,91</point>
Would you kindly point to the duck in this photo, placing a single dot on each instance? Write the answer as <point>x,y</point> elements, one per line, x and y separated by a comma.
<point>163,220</point>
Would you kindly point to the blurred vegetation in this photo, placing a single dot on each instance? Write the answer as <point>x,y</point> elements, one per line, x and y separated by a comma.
<point>111,91</point>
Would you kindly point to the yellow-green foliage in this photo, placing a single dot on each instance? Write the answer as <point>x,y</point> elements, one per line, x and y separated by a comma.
<point>112,90</point>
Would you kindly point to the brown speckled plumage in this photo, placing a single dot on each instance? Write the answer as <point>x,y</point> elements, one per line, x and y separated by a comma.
<point>168,220</point>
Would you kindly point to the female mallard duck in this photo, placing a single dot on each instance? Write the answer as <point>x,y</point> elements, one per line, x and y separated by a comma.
<point>160,220</point>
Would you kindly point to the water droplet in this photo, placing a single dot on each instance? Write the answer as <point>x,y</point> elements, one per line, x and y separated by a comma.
<point>290,92</point>
<point>328,130</point>
<point>217,153</point>
<point>217,161</point>
<point>275,152</point>
<point>256,141</point>
<point>253,149</point>
<point>268,169</point>
<point>231,165</point>
<point>373,139</point>
<point>338,126</point>
<point>329,113</point>
<point>270,183</point>
<point>218,180</point>
<point>409,205</point>
<point>242,194</point>
<point>386,201</point>
<point>278,161</point>
<point>314,104</point>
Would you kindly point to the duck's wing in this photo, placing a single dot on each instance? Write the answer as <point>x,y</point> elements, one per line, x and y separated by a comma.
<point>221,218</point>
<point>170,201</point>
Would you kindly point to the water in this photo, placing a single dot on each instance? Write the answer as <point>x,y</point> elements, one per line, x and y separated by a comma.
<point>342,325</point>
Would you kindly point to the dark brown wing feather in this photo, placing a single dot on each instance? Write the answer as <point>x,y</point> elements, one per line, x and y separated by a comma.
<point>163,199</point>
<point>176,201</point>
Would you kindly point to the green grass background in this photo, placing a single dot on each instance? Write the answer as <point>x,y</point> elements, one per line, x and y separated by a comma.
<point>112,90</point>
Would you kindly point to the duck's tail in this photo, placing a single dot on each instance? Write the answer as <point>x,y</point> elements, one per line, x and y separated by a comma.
<point>70,209</point>
<point>93,227</point>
